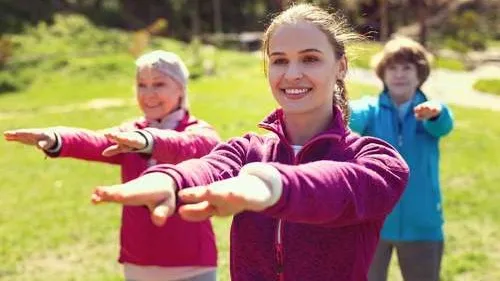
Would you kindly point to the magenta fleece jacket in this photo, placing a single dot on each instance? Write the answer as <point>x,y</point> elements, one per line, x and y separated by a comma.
<point>177,243</point>
<point>325,226</point>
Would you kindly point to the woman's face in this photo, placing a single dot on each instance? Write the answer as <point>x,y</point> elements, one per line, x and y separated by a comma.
<point>303,69</point>
<point>401,80</point>
<point>157,93</point>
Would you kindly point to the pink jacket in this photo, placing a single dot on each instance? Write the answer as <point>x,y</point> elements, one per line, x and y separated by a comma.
<point>337,192</point>
<point>177,243</point>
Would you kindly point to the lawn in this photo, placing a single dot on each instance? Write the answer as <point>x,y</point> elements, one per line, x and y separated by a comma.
<point>491,86</point>
<point>50,231</point>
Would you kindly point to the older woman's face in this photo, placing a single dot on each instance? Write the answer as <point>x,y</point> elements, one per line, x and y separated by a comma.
<point>157,93</point>
<point>401,79</point>
<point>303,69</point>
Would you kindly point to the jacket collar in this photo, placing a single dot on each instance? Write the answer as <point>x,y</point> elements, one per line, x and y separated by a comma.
<point>386,101</point>
<point>176,120</point>
<point>275,123</point>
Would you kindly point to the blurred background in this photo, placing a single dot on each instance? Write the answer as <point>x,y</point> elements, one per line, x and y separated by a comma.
<point>71,62</point>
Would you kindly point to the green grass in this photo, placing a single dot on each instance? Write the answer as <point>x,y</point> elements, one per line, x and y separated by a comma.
<point>449,63</point>
<point>491,86</point>
<point>50,231</point>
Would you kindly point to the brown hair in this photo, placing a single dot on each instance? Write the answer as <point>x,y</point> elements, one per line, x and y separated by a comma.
<point>403,50</point>
<point>333,26</point>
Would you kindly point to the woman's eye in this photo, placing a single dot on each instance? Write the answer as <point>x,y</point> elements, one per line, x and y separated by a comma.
<point>309,59</point>
<point>159,84</point>
<point>279,61</point>
<point>141,85</point>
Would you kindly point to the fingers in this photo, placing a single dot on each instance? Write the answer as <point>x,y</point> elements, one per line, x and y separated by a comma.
<point>162,211</point>
<point>197,212</point>
<point>114,150</point>
<point>25,136</point>
<point>130,139</point>
<point>145,190</point>
<point>196,194</point>
<point>426,111</point>
<point>112,193</point>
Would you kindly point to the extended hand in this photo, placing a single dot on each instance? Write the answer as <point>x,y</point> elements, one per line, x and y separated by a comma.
<point>154,190</point>
<point>225,198</point>
<point>41,138</point>
<point>125,142</point>
<point>427,110</point>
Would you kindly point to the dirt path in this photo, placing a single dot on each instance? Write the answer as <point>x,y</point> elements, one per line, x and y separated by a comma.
<point>448,86</point>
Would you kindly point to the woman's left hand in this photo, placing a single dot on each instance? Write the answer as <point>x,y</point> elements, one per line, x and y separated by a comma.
<point>427,110</point>
<point>125,142</point>
<point>225,198</point>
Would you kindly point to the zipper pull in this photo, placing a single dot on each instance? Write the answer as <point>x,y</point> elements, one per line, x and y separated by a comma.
<point>400,140</point>
<point>279,258</point>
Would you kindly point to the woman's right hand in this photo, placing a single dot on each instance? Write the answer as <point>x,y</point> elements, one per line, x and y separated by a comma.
<point>155,190</point>
<point>41,138</point>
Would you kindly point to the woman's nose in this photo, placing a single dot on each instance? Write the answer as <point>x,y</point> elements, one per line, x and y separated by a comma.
<point>293,72</point>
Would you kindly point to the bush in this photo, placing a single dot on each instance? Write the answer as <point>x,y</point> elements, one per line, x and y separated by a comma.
<point>68,44</point>
<point>466,31</point>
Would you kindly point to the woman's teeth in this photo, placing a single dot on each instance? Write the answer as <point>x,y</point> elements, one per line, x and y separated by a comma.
<point>295,91</point>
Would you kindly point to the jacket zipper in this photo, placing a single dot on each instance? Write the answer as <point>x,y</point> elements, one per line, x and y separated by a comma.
<point>279,228</point>
<point>399,131</point>
<point>279,251</point>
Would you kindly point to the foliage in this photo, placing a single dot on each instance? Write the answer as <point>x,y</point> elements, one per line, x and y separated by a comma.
<point>465,31</point>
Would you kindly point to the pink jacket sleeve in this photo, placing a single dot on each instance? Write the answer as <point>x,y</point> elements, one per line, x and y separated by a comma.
<point>223,162</point>
<point>343,193</point>
<point>322,192</point>
<point>84,144</point>
<point>170,146</point>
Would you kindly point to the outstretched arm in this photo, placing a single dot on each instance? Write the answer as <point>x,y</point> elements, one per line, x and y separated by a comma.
<point>343,193</point>
<point>166,146</point>
<point>322,192</point>
<point>65,142</point>
<point>160,182</point>
<point>169,146</point>
<point>436,117</point>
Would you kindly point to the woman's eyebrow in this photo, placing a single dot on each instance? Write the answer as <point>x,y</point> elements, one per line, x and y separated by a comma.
<point>310,50</point>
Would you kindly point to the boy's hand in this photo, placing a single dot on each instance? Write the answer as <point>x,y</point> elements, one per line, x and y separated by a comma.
<point>125,142</point>
<point>154,190</point>
<point>41,138</point>
<point>427,110</point>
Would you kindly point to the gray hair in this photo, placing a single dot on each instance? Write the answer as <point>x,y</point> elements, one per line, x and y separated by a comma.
<point>169,64</point>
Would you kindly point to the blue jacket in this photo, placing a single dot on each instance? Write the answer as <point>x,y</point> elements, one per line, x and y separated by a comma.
<point>418,215</point>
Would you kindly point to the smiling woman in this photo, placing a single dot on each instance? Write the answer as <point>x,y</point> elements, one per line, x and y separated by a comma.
<point>161,84</point>
<point>167,133</point>
<point>303,76</point>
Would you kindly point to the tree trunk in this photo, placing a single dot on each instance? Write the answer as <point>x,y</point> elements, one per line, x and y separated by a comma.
<point>422,16</point>
<point>384,20</point>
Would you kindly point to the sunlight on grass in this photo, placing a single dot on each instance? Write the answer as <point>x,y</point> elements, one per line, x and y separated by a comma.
<point>491,86</point>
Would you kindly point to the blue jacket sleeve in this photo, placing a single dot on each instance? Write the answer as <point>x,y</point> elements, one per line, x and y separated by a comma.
<point>442,125</point>
<point>361,114</point>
